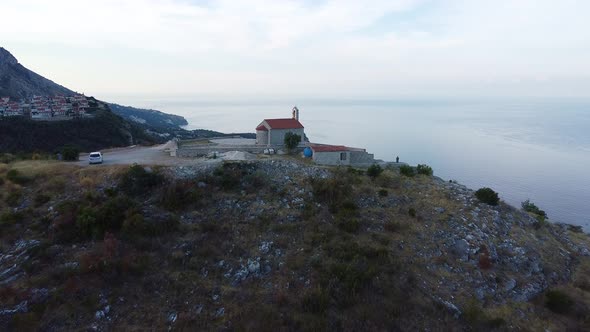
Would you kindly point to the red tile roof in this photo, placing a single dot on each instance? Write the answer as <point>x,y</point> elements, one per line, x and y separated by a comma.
<point>333,148</point>
<point>284,123</point>
<point>261,128</point>
<point>328,148</point>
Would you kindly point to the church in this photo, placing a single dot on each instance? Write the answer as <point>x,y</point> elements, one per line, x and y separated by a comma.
<point>271,132</point>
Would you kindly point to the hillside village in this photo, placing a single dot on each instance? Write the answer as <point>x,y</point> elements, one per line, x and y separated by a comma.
<point>45,108</point>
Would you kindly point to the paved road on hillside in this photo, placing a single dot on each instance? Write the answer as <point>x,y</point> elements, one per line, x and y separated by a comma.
<point>145,155</point>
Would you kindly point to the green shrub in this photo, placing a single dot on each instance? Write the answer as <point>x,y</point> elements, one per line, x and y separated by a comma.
<point>229,176</point>
<point>7,158</point>
<point>16,177</point>
<point>424,170</point>
<point>70,153</point>
<point>412,212</point>
<point>406,170</point>
<point>86,222</point>
<point>138,181</point>
<point>10,217</point>
<point>347,217</point>
<point>333,190</point>
<point>292,140</point>
<point>530,207</point>
<point>374,171</point>
<point>383,192</point>
<point>487,196</point>
<point>13,198</point>
<point>558,302</point>
<point>41,199</point>
<point>178,195</point>
<point>316,301</point>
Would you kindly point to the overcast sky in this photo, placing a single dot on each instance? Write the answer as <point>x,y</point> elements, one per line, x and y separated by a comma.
<point>343,48</point>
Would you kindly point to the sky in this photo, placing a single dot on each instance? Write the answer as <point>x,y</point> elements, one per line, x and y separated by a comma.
<point>314,49</point>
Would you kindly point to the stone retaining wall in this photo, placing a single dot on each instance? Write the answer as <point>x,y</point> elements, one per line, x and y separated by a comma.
<point>200,151</point>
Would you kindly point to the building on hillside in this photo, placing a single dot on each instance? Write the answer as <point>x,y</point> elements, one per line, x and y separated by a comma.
<point>340,155</point>
<point>271,132</point>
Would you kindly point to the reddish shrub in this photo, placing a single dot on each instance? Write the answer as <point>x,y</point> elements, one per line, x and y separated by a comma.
<point>485,262</point>
<point>110,246</point>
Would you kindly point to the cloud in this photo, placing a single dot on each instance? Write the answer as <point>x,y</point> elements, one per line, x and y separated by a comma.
<point>334,47</point>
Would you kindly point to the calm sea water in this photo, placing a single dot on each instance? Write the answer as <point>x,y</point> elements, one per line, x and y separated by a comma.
<point>537,150</point>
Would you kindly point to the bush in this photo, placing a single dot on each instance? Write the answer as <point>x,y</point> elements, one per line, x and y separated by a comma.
<point>488,196</point>
<point>13,198</point>
<point>70,153</point>
<point>333,190</point>
<point>532,208</point>
<point>316,301</point>
<point>10,217</point>
<point>383,192</point>
<point>558,302</point>
<point>374,171</point>
<point>138,181</point>
<point>7,158</point>
<point>424,170</point>
<point>15,177</point>
<point>178,195</point>
<point>406,170</point>
<point>41,199</point>
<point>412,212</point>
<point>292,140</point>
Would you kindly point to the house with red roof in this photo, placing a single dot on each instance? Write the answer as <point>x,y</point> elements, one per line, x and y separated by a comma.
<point>335,155</point>
<point>271,132</point>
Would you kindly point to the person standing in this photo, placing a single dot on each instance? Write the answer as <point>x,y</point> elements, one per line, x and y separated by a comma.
<point>397,160</point>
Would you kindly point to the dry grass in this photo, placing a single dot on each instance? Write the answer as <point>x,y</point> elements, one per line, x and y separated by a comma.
<point>43,168</point>
<point>4,168</point>
<point>87,183</point>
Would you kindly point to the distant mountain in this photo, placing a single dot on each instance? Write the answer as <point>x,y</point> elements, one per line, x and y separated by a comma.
<point>152,118</point>
<point>112,125</point>
<point>18,82</point>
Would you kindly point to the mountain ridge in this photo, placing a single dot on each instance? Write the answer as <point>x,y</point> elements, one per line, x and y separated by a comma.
<point>18,82</point>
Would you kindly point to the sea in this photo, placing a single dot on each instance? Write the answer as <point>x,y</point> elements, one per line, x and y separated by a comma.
<point>536,149</point>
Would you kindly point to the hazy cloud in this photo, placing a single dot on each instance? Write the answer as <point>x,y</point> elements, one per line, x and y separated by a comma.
<point>344,47</point>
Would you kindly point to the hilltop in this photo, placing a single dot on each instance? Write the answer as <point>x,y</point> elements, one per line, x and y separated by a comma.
<point>276,244</point>
<point>18,82</point>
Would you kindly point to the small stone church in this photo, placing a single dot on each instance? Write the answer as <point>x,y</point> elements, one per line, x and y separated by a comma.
<point>271,132</point>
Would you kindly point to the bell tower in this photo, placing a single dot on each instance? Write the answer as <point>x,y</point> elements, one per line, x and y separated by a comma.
<point>295,113</point>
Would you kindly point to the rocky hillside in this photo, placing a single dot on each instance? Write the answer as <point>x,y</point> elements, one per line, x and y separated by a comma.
<point>151,118</point>
<point>276,245</point>
<point>103,130</point>
<point>18,82</point>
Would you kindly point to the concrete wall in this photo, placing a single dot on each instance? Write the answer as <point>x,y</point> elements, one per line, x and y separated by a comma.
<point>330,158</point>
<point>361,158</point>
<point>192,152</point>
<point>277,136</point>
<point>353,158</point>
<point>261,137</point>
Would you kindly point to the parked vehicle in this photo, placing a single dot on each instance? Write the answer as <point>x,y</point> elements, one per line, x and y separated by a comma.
<point>95,158</point>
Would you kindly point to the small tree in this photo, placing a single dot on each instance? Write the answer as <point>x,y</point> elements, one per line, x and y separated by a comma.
<point>70,153</point>
<point>292,140</point>
<point>488,196</point>
<point>374,171</point>
<point>424,169</point>
<point>530,207</point>
<point>406,170</point>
